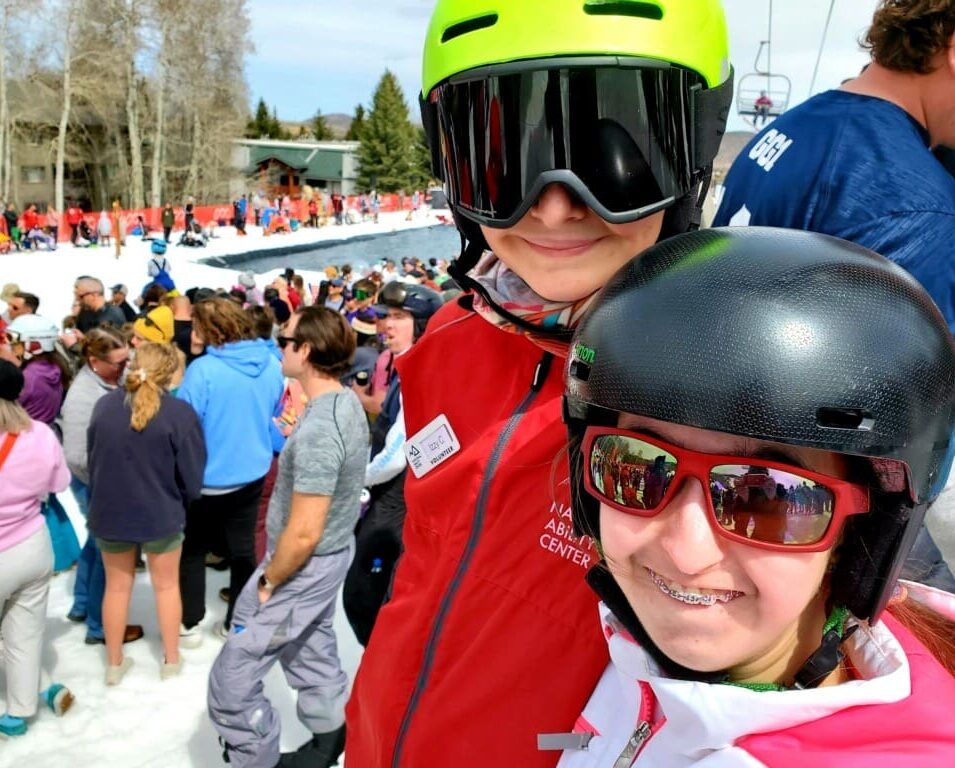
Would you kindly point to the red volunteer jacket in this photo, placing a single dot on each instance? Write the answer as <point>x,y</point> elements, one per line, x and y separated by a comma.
<point>488,638</point>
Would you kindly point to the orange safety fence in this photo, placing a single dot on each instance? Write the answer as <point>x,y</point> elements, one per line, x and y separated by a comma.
<point>222,214</point>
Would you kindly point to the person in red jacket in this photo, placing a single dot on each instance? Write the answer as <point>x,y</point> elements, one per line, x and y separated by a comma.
<point>489,617</point>
<point>30,219</point>
<point>790,640</point>
<point>74,215</point>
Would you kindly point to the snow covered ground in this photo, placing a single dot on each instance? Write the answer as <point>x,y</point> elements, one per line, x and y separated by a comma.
<point>51,274</point>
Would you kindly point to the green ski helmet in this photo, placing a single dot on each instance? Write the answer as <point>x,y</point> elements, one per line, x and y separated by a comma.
<point>623,102</point>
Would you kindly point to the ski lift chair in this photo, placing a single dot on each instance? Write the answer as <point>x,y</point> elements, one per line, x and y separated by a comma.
<point>752,85</point>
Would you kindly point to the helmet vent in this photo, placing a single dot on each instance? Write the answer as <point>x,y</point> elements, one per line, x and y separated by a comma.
<point>641,10</point>
<point>845,418</point>
<point>471,25</point>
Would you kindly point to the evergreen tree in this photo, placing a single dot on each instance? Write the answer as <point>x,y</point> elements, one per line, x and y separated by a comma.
<point>386,153</point>
<point>421,171</point>
<point>260,125</point>
<point>320,129</point>
<point>357,125</point>
<point>276,131</point>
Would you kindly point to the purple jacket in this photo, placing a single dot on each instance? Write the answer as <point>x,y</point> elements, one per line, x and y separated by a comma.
<point>42,392</point>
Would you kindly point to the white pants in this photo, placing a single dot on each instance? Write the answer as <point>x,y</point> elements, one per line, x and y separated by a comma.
<point>25,572</point>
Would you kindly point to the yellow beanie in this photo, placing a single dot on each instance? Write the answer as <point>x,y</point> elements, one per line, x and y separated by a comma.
<point>156,326</point>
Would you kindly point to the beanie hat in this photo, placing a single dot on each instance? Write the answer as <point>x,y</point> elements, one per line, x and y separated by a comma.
<point>11,381</point>
<point>247,280</point>
<point>156,325</point>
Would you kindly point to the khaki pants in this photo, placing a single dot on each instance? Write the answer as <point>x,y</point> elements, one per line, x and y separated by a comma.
<point>25,571</point>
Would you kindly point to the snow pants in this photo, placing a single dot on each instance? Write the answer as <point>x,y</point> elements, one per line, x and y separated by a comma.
<point>25,572</point>
<point>294,628</point>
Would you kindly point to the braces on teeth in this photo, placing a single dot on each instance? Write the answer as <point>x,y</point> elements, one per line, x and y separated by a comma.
<point>695,599</point>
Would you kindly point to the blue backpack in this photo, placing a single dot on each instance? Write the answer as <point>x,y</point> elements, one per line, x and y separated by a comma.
<point>162,277</point>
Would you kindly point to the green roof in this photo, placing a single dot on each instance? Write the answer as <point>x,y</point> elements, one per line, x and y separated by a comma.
<point>311,162</point>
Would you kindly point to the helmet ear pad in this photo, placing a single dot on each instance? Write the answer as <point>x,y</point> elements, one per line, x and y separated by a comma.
<point>873,550</point>
<point>585,510</point>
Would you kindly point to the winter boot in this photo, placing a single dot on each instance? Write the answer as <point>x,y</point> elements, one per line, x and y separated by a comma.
<point>322,751</point>
<point>12,726</point>
<point>58,698</point>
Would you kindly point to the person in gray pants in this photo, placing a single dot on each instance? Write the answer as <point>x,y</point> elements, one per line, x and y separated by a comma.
<point>284,614</point>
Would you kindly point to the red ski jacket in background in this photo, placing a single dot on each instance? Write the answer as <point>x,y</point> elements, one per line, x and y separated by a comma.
<point>489,637</point>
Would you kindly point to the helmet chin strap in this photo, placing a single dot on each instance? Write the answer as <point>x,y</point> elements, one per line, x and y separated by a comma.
<point>816,668</point>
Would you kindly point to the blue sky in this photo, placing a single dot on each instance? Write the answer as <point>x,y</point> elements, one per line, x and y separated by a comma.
<point>314,54</point>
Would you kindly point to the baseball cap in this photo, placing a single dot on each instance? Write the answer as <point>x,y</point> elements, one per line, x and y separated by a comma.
<point>119,288</point>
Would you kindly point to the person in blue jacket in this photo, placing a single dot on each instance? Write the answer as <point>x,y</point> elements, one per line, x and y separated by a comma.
<point>235,388</point>
<point>856,163</point>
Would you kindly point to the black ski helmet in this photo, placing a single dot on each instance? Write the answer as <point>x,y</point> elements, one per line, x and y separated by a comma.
<point>419,301</point>
<point>786,336</point>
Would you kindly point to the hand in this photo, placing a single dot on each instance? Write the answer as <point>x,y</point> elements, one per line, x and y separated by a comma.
<point>7,353</point>
<point>264,594</point>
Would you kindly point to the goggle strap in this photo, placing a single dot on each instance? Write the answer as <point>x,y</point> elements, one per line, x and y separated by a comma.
<point>710,111</point>
<point>429,121</point>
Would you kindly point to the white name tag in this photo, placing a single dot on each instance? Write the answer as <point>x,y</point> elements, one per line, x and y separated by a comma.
<point>431,446</point>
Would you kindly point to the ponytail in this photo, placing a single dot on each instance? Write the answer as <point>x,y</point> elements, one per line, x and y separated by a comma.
<point>156,366</point>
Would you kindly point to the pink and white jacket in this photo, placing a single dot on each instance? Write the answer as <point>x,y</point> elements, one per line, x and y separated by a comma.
<point>899,712</point>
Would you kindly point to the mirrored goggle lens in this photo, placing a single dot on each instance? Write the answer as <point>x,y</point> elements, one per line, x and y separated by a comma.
<point>751,500</point>
<point>770,505</point>
<point>624,133</point>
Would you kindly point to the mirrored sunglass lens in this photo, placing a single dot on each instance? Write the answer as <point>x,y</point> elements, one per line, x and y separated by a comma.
<point>630,472</point>
<point>770,505</point>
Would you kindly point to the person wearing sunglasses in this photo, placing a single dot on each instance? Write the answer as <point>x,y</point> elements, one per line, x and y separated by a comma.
<point>104,357</point>
<point>157,326</point>
<point>752,606</point>
<point>285,612</point>
<point>570,135</point>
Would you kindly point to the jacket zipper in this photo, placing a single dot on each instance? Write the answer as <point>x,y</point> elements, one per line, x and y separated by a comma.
<point>444,607</point>
<point>644,730</point>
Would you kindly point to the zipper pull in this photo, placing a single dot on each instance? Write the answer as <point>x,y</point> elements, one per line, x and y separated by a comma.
<point>541,371</point>
<point>636,741</point>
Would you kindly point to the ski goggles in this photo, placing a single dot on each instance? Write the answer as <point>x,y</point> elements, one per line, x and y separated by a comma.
<point>766,504</point>
<point>618,132</point>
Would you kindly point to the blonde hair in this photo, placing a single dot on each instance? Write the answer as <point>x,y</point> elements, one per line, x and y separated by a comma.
<point>13,418</point>
<point>156,365</point>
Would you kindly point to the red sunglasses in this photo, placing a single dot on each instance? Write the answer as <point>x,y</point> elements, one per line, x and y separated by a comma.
<point>766,504</point>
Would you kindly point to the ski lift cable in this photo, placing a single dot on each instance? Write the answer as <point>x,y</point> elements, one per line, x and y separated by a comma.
<point>769,45</point>
<point>822,44</point>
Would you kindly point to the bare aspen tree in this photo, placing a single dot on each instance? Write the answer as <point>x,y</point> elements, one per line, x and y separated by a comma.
<point>69,12</point>
<point>130,22</point>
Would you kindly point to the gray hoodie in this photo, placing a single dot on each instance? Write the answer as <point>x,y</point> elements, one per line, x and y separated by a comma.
<point>76,413</point>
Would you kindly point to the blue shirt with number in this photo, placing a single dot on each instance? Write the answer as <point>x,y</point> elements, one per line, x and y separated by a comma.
<point>856,167</point>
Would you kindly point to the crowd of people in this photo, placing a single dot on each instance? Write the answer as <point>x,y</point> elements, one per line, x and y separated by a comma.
<point>544,569</point>
<point>281,214</point>
<point>137,408</point>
